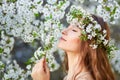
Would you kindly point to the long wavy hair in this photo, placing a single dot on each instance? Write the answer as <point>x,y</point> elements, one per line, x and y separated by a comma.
<point>95,60</point>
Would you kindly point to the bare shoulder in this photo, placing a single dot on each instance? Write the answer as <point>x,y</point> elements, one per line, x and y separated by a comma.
<point>84,76</point>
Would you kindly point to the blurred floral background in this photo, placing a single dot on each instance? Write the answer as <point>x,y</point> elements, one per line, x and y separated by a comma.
<point>30,29</point>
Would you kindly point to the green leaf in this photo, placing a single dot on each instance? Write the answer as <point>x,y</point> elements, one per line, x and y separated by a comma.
<point>47,60</point>
<point>37,15</point>
<point>39,2</point>
<point>83,36</point>
<point>47,47</point>
<point>113,12</point>
<point>111,48</point>
<point>86,20</point>
<point>34,34</point>
<point>29,62</point>
<point>112,19</point>
<point>50,16</point>
<point>8,41</point>
<point>53,65</point>
<point>107,8</point>
<point>32,6</point>
<point>77,14</point>
<point>52,39</point>
<point>1,50</point>
<point>2,65</point>
<point>11,1</point>
<point>105,1</point>
<point>60,4</point>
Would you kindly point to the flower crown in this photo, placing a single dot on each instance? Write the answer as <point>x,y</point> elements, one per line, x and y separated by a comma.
<point>90,28</point>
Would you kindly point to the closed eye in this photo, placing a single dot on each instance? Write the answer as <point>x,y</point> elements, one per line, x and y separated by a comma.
<point>74,30</point>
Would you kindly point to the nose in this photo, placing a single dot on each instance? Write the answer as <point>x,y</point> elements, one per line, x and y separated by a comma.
<point>64,31</point>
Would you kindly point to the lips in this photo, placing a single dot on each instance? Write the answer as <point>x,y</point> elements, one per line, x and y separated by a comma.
<point>62,39</point>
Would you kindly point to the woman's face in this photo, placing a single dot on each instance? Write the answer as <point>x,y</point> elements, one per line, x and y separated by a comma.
<point>70,39</point>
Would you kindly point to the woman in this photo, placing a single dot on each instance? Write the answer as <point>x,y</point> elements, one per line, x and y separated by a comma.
<point>85,62</point>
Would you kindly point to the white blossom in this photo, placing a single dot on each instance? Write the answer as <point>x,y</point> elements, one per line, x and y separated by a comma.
<point>31,19</point>
<point>100,1</point>
<point>97,26</point>
<point>93,46</point>
<point>105,42</point>
<point>116,61</point>
<point>94,34</point>
<point>81,1</point>
<point>28,67</point>
<point>89,28</point>
<point>90,37</point>
<point>104,31</point>
<point>51,1</point>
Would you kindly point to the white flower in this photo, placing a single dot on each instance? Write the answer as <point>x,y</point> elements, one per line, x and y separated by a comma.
<point>93,46</point>
<point>39,52</point>
<point>3,42</point>
<point>81,1</point>
<point>69,18</point>
<point>110,5</point>
<point>1,63</point>
<point>11,71</point>
<point>97,26</point>
<point>74,21</point>
<point>89,37</point>
<point>104,31</point>
<point>112,22</point>
<point>93,34</point>
<point>116,16</point>
<point>28,38</point>
<point>6,76</point>
<point>116,60</point>
<point>47,40</point>
<point>7,50</point>
<point>100,1</point>
<point>89,28</point>
<point>105,41</point>
<point>28,67</point>
<point>35,11</point>
<point>101,37</point>
<point>54,65</point>
<point>65,5</point>
<point>51,1</point>
<point>36,22</point>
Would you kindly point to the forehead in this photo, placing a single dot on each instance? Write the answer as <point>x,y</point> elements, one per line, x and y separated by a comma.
<point>73,26</point>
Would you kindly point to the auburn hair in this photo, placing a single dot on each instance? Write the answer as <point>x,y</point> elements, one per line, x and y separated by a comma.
<point>95,60</point>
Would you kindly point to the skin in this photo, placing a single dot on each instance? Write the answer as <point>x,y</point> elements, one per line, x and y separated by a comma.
<point>40,71</point>
<point>70,43</point>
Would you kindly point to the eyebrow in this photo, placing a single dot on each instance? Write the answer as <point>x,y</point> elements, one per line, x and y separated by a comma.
<point>77,26</point>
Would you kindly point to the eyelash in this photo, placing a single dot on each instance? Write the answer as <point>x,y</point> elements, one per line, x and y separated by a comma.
<point>74,30</point>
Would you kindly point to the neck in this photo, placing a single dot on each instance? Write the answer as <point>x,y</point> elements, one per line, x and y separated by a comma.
<point>74,62</point>
<point>73,59</point>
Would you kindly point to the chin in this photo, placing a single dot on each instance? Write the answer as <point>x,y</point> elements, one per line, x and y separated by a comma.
<point>61,46</point>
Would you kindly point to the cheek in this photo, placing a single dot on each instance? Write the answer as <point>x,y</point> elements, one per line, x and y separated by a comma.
<point>72,45</point>
<point>73,40</point>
